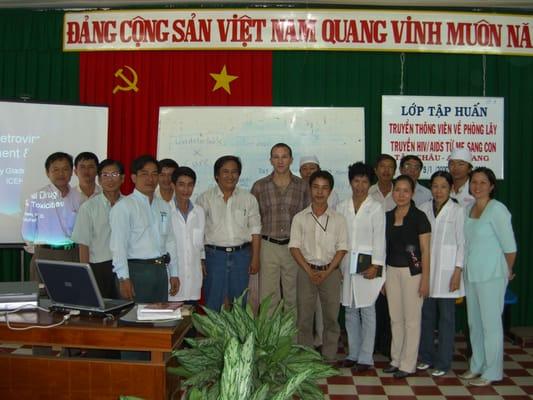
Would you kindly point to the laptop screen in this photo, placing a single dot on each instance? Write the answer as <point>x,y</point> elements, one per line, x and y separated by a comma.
<point>70,283</point>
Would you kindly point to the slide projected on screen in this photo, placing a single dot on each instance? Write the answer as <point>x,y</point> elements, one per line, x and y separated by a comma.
<point>30,132</point>
<point>197,136</point>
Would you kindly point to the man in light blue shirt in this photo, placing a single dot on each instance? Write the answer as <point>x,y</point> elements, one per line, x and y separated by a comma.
<point>50,214</point>
<point>92,231</point>
<point>142,241</point>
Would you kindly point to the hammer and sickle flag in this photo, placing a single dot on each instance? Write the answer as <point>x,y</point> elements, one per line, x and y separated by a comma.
<point>166,78</point>
<point>131,84</point>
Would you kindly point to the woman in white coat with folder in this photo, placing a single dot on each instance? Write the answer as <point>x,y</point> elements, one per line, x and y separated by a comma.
<point>366,231</point>
<point>445,281</point>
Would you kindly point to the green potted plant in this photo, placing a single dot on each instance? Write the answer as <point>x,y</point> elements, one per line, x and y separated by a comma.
<point>243,356</point>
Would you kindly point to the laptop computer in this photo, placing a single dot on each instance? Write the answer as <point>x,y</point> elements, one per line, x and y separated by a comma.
<point>15,295</point>
<point>72,286</point>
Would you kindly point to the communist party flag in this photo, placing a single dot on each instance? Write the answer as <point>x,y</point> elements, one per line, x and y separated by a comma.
<point>134,84</point>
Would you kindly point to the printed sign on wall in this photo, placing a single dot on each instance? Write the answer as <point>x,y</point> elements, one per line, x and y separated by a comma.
<point>432,126</point>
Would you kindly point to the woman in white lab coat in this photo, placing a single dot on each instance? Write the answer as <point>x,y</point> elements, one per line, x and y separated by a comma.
<point>188,222</point>
<point>445,284</point>
<point>366,230</point>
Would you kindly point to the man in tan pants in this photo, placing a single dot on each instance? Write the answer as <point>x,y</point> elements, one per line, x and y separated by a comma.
<point>280,196</point>
<point>319,241</point>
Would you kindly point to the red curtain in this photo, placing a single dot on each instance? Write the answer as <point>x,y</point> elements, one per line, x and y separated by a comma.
<point>166,78</point>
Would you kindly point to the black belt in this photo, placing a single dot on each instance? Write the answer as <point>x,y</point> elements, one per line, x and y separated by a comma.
<point>163,260</point>
<point>276,241</point>
<point>69,246</point>
<point>319,267</point>
<point>228,249</point>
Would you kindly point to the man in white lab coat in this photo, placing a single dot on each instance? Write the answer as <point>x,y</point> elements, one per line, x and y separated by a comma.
<point>188,222</point>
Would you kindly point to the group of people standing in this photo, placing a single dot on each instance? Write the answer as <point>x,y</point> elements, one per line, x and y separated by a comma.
<point>395,249</point>
<point>437,245</point>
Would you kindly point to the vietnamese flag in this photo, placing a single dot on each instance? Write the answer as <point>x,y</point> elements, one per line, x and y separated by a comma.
<point>134,84</point>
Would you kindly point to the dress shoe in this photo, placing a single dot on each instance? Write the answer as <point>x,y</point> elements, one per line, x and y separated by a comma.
<point>401,374</point>
<point>347,363</point>
<point>468,375</point>
<point>363,367</point>
<point>390,369</point>
<point>479,382</point>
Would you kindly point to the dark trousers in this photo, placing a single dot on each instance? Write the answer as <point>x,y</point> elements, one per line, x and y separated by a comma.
<point>150,282</point>
<point>106,279</point>
<point>442,310</point>
<point>227,276</point>
<point>383,331</point>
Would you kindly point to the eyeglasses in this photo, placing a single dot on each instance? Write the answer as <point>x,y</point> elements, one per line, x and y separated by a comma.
<point>110,175</point>
<point>412,167</point>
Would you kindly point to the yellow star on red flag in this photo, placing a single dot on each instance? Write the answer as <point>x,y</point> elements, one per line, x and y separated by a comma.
<point>223,80</point>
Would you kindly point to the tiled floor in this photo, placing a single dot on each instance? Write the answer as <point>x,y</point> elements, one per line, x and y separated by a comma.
<point>374,384</point>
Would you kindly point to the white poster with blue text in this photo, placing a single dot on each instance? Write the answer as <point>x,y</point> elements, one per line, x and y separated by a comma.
<point>432,126</point>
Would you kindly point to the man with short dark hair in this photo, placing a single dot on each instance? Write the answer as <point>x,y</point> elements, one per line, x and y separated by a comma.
<point>381,191</point>
<point>50,214</point>
<point>85,166</point>
<point>281,195</point>
<point>232,234</point>
<point>92,231</point>
<point>411,166</point>
<point>188,224</point>
<point>319,241</point>
<point>142,242</point>
<point>164,189</point>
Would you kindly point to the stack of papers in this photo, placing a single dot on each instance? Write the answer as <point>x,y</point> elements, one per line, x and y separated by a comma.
<point>159,311</point>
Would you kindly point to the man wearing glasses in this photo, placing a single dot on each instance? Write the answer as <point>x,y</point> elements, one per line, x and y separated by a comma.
<point>411,166</point>
<point>92,231</point>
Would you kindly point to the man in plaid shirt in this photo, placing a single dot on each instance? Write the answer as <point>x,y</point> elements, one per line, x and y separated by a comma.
<point>280,195</point>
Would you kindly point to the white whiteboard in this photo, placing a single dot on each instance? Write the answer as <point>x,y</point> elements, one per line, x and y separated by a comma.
<point>29,133</point>
<point>197,136</point>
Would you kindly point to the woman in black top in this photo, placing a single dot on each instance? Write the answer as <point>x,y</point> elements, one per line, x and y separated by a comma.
<point>408,234</point>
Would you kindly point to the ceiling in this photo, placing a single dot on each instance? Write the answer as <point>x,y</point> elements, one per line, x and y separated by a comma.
<point>522,5</point>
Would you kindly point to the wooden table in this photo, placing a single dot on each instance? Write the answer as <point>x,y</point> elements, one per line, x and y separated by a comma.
<point>60,377</point>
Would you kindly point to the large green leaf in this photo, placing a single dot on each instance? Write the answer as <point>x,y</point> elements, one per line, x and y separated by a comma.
<point>243,356</point>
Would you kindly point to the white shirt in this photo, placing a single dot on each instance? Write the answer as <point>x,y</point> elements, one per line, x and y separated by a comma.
<point>157,194</point>
<point>140,229</point>
<point>386,201</point>
<point>92,228</point>
<point>189,236</point>
<point>84,197</point>
<point>447,247</point>
<point>422,194</point>
<point>319,238</point>
<point>49,218</point>
<point>366,233</point>
<point>463,197</point>
<point>230,223</point>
